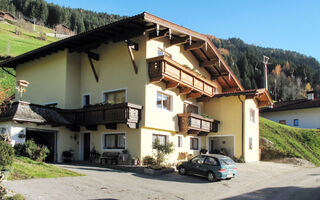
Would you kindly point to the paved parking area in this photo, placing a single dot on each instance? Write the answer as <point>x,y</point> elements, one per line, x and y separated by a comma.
<point>258,180</point>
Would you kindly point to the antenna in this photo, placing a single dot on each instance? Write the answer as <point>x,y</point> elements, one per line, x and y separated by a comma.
<point>266,62</point>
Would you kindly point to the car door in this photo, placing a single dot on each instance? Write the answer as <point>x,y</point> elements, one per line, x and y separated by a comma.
<point>196,165</point>
<point>210,164</point>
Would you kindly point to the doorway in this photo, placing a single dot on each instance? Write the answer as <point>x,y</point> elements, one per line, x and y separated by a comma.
<point>86,146</point>
<point>222,145</point>
<point>47,138</point>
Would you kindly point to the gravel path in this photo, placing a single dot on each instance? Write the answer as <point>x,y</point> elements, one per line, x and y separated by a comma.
<point>258,180</point>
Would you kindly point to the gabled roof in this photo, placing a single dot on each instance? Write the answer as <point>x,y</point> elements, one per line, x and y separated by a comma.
<point>200,46</point>
<point>262,95</point>
<point>292,105</point>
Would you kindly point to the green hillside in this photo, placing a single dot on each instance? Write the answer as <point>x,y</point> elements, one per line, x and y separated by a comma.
<point>292,142</point>
<point>13,44</point>
<point>16,39</point>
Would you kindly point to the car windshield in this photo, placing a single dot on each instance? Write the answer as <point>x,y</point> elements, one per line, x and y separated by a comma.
<point>227,161</point>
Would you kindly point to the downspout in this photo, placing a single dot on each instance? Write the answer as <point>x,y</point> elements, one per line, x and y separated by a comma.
<point>242,125</point>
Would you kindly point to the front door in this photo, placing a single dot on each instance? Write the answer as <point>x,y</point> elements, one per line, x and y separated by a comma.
<point>86,146</point>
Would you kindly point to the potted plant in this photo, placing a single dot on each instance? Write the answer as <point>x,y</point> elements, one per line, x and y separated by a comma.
<point>67,156</point>
<point>203,151</point>
<point>94,155</point>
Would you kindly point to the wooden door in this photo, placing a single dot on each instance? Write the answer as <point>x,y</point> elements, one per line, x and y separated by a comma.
<point>86,146</point>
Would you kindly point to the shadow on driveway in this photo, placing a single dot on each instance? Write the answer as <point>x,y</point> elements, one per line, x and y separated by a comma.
<point>172,177</point>
<point>281,193</point>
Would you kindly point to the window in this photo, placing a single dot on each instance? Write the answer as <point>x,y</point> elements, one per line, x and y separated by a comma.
<point>179,141</point>
<point>252,115</point>
<point>189,108</point>
<point>86,100</point>
<point>210,161</point>
<point>162,52</point>
<point>114,141</point>
<point>250,143</point>
<point>163,101</point>
<point>114,97</point>
<point>194,143</point>
<point>296,122</point>
<point>198,160</point>
<point>52,105</point>
<point>283,122</point>
<point>162,139</point>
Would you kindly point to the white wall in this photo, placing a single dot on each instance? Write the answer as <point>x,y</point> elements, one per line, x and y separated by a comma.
<point>308,118</point>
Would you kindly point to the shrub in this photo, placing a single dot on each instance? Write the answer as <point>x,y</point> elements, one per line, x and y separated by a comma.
<point>162,151</point>
<point>149,160</point>
<point>32,150</point>
<point>6,155</point>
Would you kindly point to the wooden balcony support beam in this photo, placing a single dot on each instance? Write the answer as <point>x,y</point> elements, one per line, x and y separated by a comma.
<point>172,85</point>
<point>185,90</point>
<point>194,95</point>
<point>219,75</point>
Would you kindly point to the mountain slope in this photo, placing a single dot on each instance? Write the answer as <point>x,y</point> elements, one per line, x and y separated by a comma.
<point>291,142</point>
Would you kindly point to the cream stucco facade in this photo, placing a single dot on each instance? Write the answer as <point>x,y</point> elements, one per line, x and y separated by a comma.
<point>65,77</point>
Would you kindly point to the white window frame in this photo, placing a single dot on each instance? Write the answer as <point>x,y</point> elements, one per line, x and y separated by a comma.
<point>83,95</point>
<point>170,101</point>
<point>103,99</point>
<point>181,142</point>
<point>113,133</point>
<point>251,110</point>
<point>53,102</point>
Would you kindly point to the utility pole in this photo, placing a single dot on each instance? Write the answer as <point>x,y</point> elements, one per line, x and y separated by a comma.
<point>266,62</point>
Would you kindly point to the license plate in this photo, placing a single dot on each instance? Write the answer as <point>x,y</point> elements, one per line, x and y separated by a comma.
<point>229,175</point>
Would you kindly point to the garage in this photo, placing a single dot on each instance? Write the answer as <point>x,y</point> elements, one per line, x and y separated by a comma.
<point>44,137</point>
<point>222,145</point>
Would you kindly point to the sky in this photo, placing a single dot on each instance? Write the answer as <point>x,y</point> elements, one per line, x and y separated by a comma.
<point>286,24</point>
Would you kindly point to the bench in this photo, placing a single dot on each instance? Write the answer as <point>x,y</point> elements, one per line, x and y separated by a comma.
<point>112,156</point>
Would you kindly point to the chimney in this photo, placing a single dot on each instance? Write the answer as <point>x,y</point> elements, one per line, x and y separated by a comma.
<point>310,95</point>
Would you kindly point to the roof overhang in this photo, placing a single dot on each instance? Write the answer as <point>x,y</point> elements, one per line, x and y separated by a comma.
<point>198,44</point>
<point>262,96</point>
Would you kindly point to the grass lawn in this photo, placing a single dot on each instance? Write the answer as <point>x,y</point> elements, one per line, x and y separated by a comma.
<point>25,168</point>
<point>13,45</point>
<point>294,142</point>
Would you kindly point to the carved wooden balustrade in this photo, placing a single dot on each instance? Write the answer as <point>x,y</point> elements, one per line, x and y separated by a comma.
<point>196,124</point>
<point>163,68</point>
<point>108,115</point>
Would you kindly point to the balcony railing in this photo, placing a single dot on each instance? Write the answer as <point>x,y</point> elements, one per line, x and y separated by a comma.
<point>109,115</point>
<point>196,124</point>
<point>163,68</point>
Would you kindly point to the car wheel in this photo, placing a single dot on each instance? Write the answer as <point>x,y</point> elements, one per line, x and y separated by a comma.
<point>182,171</point>
<point>211,177</point>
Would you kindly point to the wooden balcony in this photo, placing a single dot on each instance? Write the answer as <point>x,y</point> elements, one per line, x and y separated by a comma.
<point>163,68</point>
<point>196,124</point>
<point>108,115</point>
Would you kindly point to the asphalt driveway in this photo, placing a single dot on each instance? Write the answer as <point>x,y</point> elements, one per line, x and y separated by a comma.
<point>258,180</point>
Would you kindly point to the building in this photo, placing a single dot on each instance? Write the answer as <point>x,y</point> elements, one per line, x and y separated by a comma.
<point>7,16</point>
<point>64,30</point>
<point>301,113</point>
<point>124,84</point>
